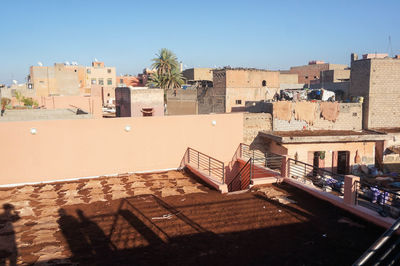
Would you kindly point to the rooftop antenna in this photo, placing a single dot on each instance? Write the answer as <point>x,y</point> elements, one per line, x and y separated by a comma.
<point>390,48</point>
<point>39,63</point>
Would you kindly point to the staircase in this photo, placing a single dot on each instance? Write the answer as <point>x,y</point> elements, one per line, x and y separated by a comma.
<point>247,167</point>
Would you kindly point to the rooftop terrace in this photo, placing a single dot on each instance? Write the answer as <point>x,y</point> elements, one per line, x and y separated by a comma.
<point>169,217</point>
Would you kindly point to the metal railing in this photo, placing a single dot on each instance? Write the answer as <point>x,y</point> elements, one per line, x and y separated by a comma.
<point>321,178</point>
<point>382,252</point>
<point>264,159</point>
<point>380,199</point>
<point>210,166</point>
<point>242,180</point>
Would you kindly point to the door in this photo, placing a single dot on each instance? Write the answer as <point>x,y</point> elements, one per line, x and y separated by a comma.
<point>343,162</point>
<point>315,163</point>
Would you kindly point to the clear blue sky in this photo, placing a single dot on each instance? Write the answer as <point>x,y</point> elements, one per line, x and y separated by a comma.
<point>248,33</point>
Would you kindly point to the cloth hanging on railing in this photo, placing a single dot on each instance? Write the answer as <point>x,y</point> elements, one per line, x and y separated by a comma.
<point>282,110</point>
<point>305,111</point>
<point>329,110</point>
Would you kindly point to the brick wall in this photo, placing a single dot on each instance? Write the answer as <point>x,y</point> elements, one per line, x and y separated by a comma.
<point>378,81</point>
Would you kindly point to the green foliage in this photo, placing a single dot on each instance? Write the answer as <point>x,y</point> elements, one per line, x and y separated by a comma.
<point>5,101</point>
<point>29,102</point>
<point>167,75</point>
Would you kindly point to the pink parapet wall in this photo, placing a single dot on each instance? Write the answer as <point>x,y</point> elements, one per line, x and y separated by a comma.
<point>91,105</point>
<point>35,151</point>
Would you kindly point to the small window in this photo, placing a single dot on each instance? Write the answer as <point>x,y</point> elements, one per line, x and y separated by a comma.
<point>108,95</point>
<point>101,81</point>
<point>306,77</point>
<point>109,81</point>
<point>354,114</point>
<point>93,81</point>
<point>238,101</point>
<point>264,83</point>
<point>108,71</point>
<point>121,81</point>
<point>88,71</point>
<point>75,70</point>
<point>315,77</point>
<point>41,82</point>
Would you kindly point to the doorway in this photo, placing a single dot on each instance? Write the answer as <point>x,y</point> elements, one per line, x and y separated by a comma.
<point>316,163</point>
<point>343,162</point>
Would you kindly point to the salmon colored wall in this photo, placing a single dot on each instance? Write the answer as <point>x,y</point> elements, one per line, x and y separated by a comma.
<point>91,105</point>
<point>64,149</point>
<point>366,149</point>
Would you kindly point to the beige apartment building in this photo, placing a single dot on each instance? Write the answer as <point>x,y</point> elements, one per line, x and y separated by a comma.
<point>234,86</point>
<point>69,80</point>
<point>59,79</point>
<point>102,82</point>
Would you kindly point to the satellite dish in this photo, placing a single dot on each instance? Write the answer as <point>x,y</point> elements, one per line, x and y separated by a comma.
<point>66,63</point>
<point>95,60</point>
<point>39,63</point>
<point>15,82</point>
<point>74,63</point>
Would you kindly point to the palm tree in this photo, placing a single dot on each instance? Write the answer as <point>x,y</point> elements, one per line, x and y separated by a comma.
<point>168,75</point>
<point>165,62</point>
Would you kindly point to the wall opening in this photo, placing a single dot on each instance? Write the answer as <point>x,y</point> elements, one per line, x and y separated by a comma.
<point>147,111</point>
<point>343,162</point>
<point>264,83</point>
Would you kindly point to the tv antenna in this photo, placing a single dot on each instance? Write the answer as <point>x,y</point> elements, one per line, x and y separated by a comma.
<point>390,48</point>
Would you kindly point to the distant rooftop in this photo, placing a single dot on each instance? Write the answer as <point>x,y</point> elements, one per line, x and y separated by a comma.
<point>244,69</point>
<point>309,136</point>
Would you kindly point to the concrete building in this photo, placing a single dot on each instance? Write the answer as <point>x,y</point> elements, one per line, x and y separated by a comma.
<point>311,72</point>
<point>378,81</point>
<point>335,151</point>
<point>289,80</point>
<point>59,79</point>
<point>132,102</point>
<point>232,87</point>
<point>198,74</point>
<point>102,82</point>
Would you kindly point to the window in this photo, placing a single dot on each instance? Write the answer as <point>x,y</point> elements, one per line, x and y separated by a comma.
<point>121,81</point>
<point>41,82</point>
<point>101,81</point>
<point>108,71</point>
<point>264,83</point>
<point>306,77</point>
<point>75,70</point>
<point>88,71</point>
<point>93,81</point>
<point>108,95</point>
<point>315,77</point>
<point>238,101</point>
<point>109,81</point>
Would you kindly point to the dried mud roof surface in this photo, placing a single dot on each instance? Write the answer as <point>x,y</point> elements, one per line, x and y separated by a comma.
<point>171,218</point>
<point>311,133</point>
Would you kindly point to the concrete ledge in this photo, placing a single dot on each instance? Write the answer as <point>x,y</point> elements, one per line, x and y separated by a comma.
<point>360,211</point>
<point>265,180</point>
<point>223,188</point>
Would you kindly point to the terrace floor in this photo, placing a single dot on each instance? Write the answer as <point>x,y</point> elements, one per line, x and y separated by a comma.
<point>170,218</point>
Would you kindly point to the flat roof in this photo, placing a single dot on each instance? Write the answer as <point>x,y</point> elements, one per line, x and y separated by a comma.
<point>318,136</point>
<point>388,130</point>
<point>168,217</point>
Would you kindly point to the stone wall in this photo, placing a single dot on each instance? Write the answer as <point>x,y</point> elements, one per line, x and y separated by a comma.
<point>349,118</point>
<point>253,123</point>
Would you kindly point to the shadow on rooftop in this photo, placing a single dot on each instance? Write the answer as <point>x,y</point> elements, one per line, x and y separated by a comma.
<point>242,229</point>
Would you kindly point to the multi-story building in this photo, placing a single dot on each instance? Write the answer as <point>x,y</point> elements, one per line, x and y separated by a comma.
<point>232,87</point>
<point>102,82</point>
<point>311,73</point>
<point>377,79</point>
<point>60,79</point>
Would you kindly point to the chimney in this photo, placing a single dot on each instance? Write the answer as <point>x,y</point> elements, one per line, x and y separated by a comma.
<point>354,57</point>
